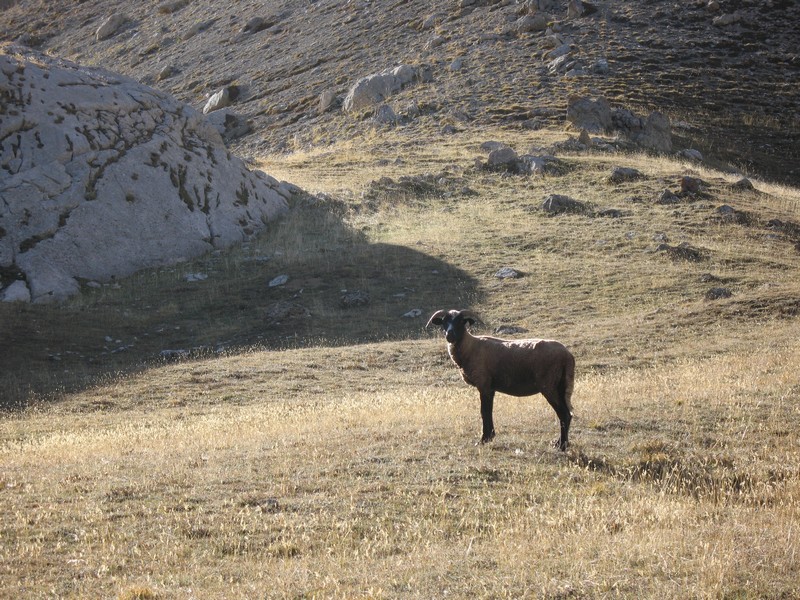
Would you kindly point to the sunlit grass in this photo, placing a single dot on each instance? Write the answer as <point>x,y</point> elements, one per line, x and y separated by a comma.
<point>332,455</point>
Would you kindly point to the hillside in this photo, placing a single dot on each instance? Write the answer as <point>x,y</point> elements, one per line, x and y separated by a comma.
<point>274,420</point>
<point>730,86</point>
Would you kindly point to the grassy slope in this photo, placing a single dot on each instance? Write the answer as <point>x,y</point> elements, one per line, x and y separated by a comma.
<point>335,457</point>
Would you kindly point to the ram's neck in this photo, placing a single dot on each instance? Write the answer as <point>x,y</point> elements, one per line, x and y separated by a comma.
<point>460,351</point>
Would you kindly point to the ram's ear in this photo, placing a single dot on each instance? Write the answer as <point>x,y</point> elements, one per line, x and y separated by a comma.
<point>437,318</point>
<point>470,317</point>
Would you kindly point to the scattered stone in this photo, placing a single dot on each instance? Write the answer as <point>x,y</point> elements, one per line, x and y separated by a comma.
<point>174,354</point>
<point>509,330</point>
<point>682,251</point>
<point>374,89</point>
<point>193,277</point>
<point>708,278</point>
<point>728,214</point>
<point>354,299</point>
<point>653,133</point>
<point>16,292</point>
<point>667,197</point>
<point>692,155</point>
<point>110,26</point>
<point>717,293</point>
<point>166,72</point>
<point>531,23</point>
<point>541,165</point>
<point>326,100</point>
<point>612,213</point>
<point>592,115</point>
<point>508,273</point>
<point>278,281</point>
<point>257,24</point>
<point>172,6</point>
<point>492,145</point>
<point>222,98</point>
<point>623,174</point>
<point>285,310</point>
<point>413,313</point>
<point>198,27</point>
<point>502,159</point>
<point>742,184</point>
<point>385,115</point>
<point>691,185</point>
<point>557,204</point>
<point>727,19</point>
<point>230,125</point>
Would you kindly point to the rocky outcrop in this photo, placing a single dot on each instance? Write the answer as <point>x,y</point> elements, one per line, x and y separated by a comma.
<point>372,90</point>
<point>101,176</point>
<point>596,116</point>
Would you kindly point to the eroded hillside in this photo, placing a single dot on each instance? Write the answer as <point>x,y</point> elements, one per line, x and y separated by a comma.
<point>725,72</point>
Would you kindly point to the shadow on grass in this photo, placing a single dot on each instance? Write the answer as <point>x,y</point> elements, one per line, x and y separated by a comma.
<point>340,290</point>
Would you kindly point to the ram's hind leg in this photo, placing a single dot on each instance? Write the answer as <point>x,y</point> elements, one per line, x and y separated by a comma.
<point>560,404</point>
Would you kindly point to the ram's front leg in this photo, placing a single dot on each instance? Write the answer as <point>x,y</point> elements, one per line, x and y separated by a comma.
<point>487,403</point>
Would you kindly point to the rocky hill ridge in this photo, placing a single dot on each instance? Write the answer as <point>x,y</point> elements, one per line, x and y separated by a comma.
<point>725,71</point>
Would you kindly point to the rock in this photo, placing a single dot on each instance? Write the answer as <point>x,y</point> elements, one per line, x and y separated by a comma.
<point>574,9</point>
<point>504,158</point>
<point>174,354</point>
<point>385,115</point>
<point>727,19</point>
<point>509,330</point>
<point>742,184</point>
<point>326,100</point>
<point>413,313</point>
<point>222,98</point>
<point>652,133</point>
<point>612,213</point>
<point>667,197</point>
<point>691,154</point>
<point>193,277</point>
<point>172,6</point>
<point>718,293</point>
<point>492,145</point>
<point>166,72</point>
<point>691,185</point>
<point>558,52</point>
<point>101,176</point>
<point>354,299</point>
<point>16,292</point>
<point>541,165</point>
<point>257,24</point>
<point>556,204</point>
<point>531,23</point>
<point>592,115</point>
<point>278,281</point>
<point>508,273</point>
<point>682,251</point>
<point>623,174</point>
<point>374,89</point>
<point>229,124</point>
<point>284,310</point>
<point>728,214</point>
<point>110,26</point>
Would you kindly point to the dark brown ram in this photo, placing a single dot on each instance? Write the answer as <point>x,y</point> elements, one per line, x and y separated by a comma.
<point>514,367</point>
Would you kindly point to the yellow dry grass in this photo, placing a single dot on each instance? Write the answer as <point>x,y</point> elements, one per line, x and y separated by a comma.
<point>347,469</point>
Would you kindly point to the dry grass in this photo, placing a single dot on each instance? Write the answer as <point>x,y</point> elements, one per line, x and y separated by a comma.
<point>683,480</point>
<point>340,463</point>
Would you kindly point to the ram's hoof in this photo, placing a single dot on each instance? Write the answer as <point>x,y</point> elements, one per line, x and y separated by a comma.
<point>559,445</point>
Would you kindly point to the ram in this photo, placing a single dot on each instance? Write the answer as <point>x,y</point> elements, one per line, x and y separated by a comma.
<point>514,367</point>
